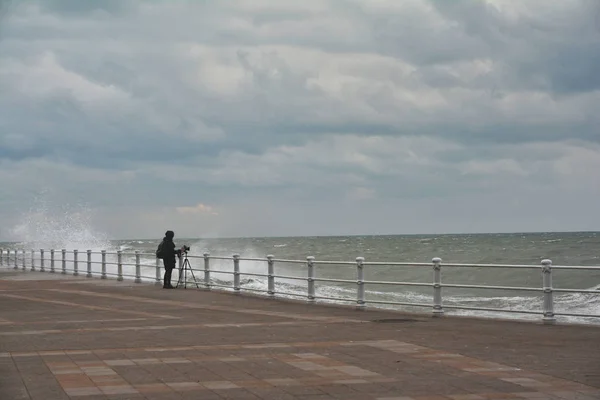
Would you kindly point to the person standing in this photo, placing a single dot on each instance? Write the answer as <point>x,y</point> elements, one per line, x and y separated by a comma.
<point>166,250</point>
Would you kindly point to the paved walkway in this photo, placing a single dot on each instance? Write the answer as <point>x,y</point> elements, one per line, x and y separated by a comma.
<point>89,339</point>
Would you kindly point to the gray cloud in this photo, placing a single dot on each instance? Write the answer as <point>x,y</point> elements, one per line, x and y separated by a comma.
<point>325,108</point>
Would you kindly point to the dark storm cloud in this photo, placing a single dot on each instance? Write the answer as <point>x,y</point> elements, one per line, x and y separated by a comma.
<point>258,104</point>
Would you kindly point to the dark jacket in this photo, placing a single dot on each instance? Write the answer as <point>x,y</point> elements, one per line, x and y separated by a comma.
<point>168,249</point>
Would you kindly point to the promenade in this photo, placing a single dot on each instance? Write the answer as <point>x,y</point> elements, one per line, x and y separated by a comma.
<point>77,338</point>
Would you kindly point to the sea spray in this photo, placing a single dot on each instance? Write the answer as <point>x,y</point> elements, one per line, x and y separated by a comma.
<point>52,227</point>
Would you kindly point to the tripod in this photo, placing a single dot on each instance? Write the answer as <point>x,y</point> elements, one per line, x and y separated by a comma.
<point>183,270</point>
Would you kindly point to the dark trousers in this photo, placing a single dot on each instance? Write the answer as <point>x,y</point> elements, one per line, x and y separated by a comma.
<point>169,266</point>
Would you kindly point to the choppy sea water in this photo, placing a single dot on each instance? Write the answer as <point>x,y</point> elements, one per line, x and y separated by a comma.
<point>569,249</point>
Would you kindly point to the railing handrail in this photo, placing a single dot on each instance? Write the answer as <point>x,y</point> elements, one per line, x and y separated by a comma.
<point>341,262</point>
<point>53,259</point>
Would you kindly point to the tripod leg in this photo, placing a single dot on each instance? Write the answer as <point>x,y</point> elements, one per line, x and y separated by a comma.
<point>178,278</point>
<point>182,279</point>
<point>180,275</point>
<point>192,273</point>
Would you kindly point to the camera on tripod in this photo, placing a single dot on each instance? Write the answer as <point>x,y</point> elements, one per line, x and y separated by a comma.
<point>184,268</point>
<point>182,251</point>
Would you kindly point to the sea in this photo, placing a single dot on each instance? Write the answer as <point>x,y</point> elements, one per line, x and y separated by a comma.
<point>564,249</point>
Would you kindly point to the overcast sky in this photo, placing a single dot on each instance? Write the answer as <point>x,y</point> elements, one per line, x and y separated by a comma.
<point>312,117</point>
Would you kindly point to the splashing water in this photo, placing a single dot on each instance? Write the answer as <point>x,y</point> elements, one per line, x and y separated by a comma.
<point>70,228</point>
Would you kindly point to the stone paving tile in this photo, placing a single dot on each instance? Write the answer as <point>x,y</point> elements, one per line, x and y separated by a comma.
<point>85,391</point>
<point>214,385</point>
<point>260,350</point>
<point>184,386</point>
<point>118,389</point>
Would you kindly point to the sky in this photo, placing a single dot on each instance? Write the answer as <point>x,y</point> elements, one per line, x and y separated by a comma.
<point>314,117</point>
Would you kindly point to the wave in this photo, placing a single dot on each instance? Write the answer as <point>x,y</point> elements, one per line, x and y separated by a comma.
<point>580,303</point>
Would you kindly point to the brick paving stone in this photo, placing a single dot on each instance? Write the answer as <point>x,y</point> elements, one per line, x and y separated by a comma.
<point>400,398</point>
<point>15,393</point>
<point>237,394</point>
<point>119,389</point>
<point>219,346</point>
<point>205,395</point>
<point>86,391</point>
<point>271,394</point>
<point>219,385</point>
<point>337,390</point>
<point>302,390</point>
<point>184,386</point>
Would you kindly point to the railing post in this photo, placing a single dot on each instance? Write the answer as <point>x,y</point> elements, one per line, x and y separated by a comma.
<point>42,269</point>
<point>64,261</point>
<point>549,317</point>
<point>32,260</point>
<point>158,277</point>
<point>184,278</point>
<point>310,263</point>
<point>75,263</point>
<point>103,274</point>
<point>8,258</point>
<point>207,270</point>
<point>236,273</point>
<point>23,260</point>
<point>271,275</point>
<point>438,310</point>
<point>52,261</point>
<point>89,264</point>
<point>119,265</point>
<point>360,281</point>
<point>16,262</point>
<point>2,257</point>
<point>138,268</point>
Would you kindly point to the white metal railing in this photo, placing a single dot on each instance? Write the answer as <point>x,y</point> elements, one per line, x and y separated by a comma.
<point>70,261</point>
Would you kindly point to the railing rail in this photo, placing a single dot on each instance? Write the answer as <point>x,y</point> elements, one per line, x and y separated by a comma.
<point>130,265</point>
